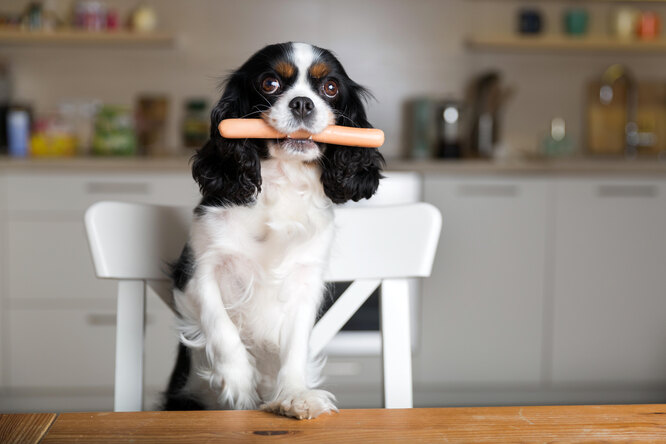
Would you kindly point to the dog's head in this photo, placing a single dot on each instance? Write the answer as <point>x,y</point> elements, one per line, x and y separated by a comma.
<point>292,86</point>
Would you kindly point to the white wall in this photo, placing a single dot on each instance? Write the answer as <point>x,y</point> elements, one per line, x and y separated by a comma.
<point>398,48</point>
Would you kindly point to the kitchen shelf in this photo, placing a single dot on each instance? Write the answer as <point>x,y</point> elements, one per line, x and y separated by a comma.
<point>586,1</point>
<point>553,43</point>
<point>85,38</point>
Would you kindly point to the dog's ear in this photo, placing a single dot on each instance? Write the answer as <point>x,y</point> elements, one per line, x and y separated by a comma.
<point>233,104</point>
<point>228,171</point>
<point>352,173</point>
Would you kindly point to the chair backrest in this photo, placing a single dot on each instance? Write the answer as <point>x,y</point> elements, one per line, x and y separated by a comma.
<point>136,241</point>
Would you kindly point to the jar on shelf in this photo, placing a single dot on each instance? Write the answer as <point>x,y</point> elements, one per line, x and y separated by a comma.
<point>196,123</point>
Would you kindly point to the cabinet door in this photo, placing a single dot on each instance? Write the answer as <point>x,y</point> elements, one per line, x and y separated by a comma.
<point>483,306</point>
<point>51,260</point>
<point>4,259</point>
<point>62,349</point>
<point>610,282</point>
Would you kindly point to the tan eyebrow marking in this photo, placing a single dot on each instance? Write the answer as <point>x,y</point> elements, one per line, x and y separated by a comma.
<point>319,70</point>
<point>285,69</point>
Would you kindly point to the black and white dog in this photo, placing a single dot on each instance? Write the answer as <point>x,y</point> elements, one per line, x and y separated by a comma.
<point>249,282</point>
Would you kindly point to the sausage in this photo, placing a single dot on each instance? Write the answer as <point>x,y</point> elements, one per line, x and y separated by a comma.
<point>333,134</point>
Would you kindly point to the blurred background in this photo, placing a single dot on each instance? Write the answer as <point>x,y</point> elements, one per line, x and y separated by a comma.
<point>538,128</point>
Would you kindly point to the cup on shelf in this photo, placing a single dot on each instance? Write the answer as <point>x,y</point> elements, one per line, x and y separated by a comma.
<point>648,25</point>
<point>530,21</point>
<point>624,22</point>
<point>576,21</point>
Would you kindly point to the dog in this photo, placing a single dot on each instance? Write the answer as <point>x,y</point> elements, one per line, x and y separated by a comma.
<point>249,282</point>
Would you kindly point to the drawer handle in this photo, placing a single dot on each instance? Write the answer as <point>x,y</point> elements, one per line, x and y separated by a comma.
<point>103,320</point>
<point>117,188</point>
<point>627,191</point>
<point>480,190</point>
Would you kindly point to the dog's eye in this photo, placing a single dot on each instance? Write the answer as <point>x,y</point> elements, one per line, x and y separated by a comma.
<point>330,88</point>
<point>270,85</point>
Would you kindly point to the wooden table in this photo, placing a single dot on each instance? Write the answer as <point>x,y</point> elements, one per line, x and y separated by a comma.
<point>571,424</point>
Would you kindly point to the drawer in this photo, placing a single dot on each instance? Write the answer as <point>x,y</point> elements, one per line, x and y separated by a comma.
<point>52,260</point>
<point>76,192</point>
<point>61,348</point>
<point>609,283</point>
<point>75,347</point>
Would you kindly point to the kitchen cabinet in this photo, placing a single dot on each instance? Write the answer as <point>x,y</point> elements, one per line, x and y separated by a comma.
<point>54,348</point>
<point>609,295</point>
<point>32,195</point>
<point>547,287</point>
<point>3,277</point>
<point>59,329</point>
<point>483,305</point>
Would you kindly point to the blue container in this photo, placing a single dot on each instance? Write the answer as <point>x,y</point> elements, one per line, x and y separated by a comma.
<point>18,132</point>
<point>530,21</point>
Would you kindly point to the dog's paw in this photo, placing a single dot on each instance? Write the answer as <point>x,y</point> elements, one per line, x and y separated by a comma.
<point>238,390</point>
<point>304,404</point>
<point>236,381</point>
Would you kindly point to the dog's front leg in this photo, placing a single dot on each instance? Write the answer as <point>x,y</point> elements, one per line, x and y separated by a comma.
<point>232,368</point>
<point>293,397</point>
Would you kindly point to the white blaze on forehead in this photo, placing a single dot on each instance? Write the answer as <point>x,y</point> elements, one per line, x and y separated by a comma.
<point>303,56</point>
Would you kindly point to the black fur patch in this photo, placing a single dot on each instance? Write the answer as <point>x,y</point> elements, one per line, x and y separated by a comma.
<point>351,173</point>
<point>183,269</point>
<point>174,398</point>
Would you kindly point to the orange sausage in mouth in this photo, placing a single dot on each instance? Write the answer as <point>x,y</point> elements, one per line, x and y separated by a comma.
<point>333,134</point>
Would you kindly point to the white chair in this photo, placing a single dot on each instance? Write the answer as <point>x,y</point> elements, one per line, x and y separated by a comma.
<point>374,246</point>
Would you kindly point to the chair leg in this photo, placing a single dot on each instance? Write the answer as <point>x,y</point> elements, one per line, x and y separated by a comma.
<point>396,344</point>
<point>128,396</point>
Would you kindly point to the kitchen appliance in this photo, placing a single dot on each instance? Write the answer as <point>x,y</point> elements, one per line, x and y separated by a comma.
<point>486,97</point>
<point>434,128</point>
<point>420,131</point>
<point>449,130</point>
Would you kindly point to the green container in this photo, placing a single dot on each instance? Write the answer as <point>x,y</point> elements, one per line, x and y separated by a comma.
<point>576,21</point>
<point>114,132</point>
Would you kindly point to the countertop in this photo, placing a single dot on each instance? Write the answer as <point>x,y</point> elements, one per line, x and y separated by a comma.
<point>573,424</point>
<point>582,166</point>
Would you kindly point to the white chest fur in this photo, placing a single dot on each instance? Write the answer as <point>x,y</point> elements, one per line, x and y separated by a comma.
<point>262,254</point>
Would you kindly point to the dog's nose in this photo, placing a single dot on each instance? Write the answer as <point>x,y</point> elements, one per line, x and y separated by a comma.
<point>301,107</point>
